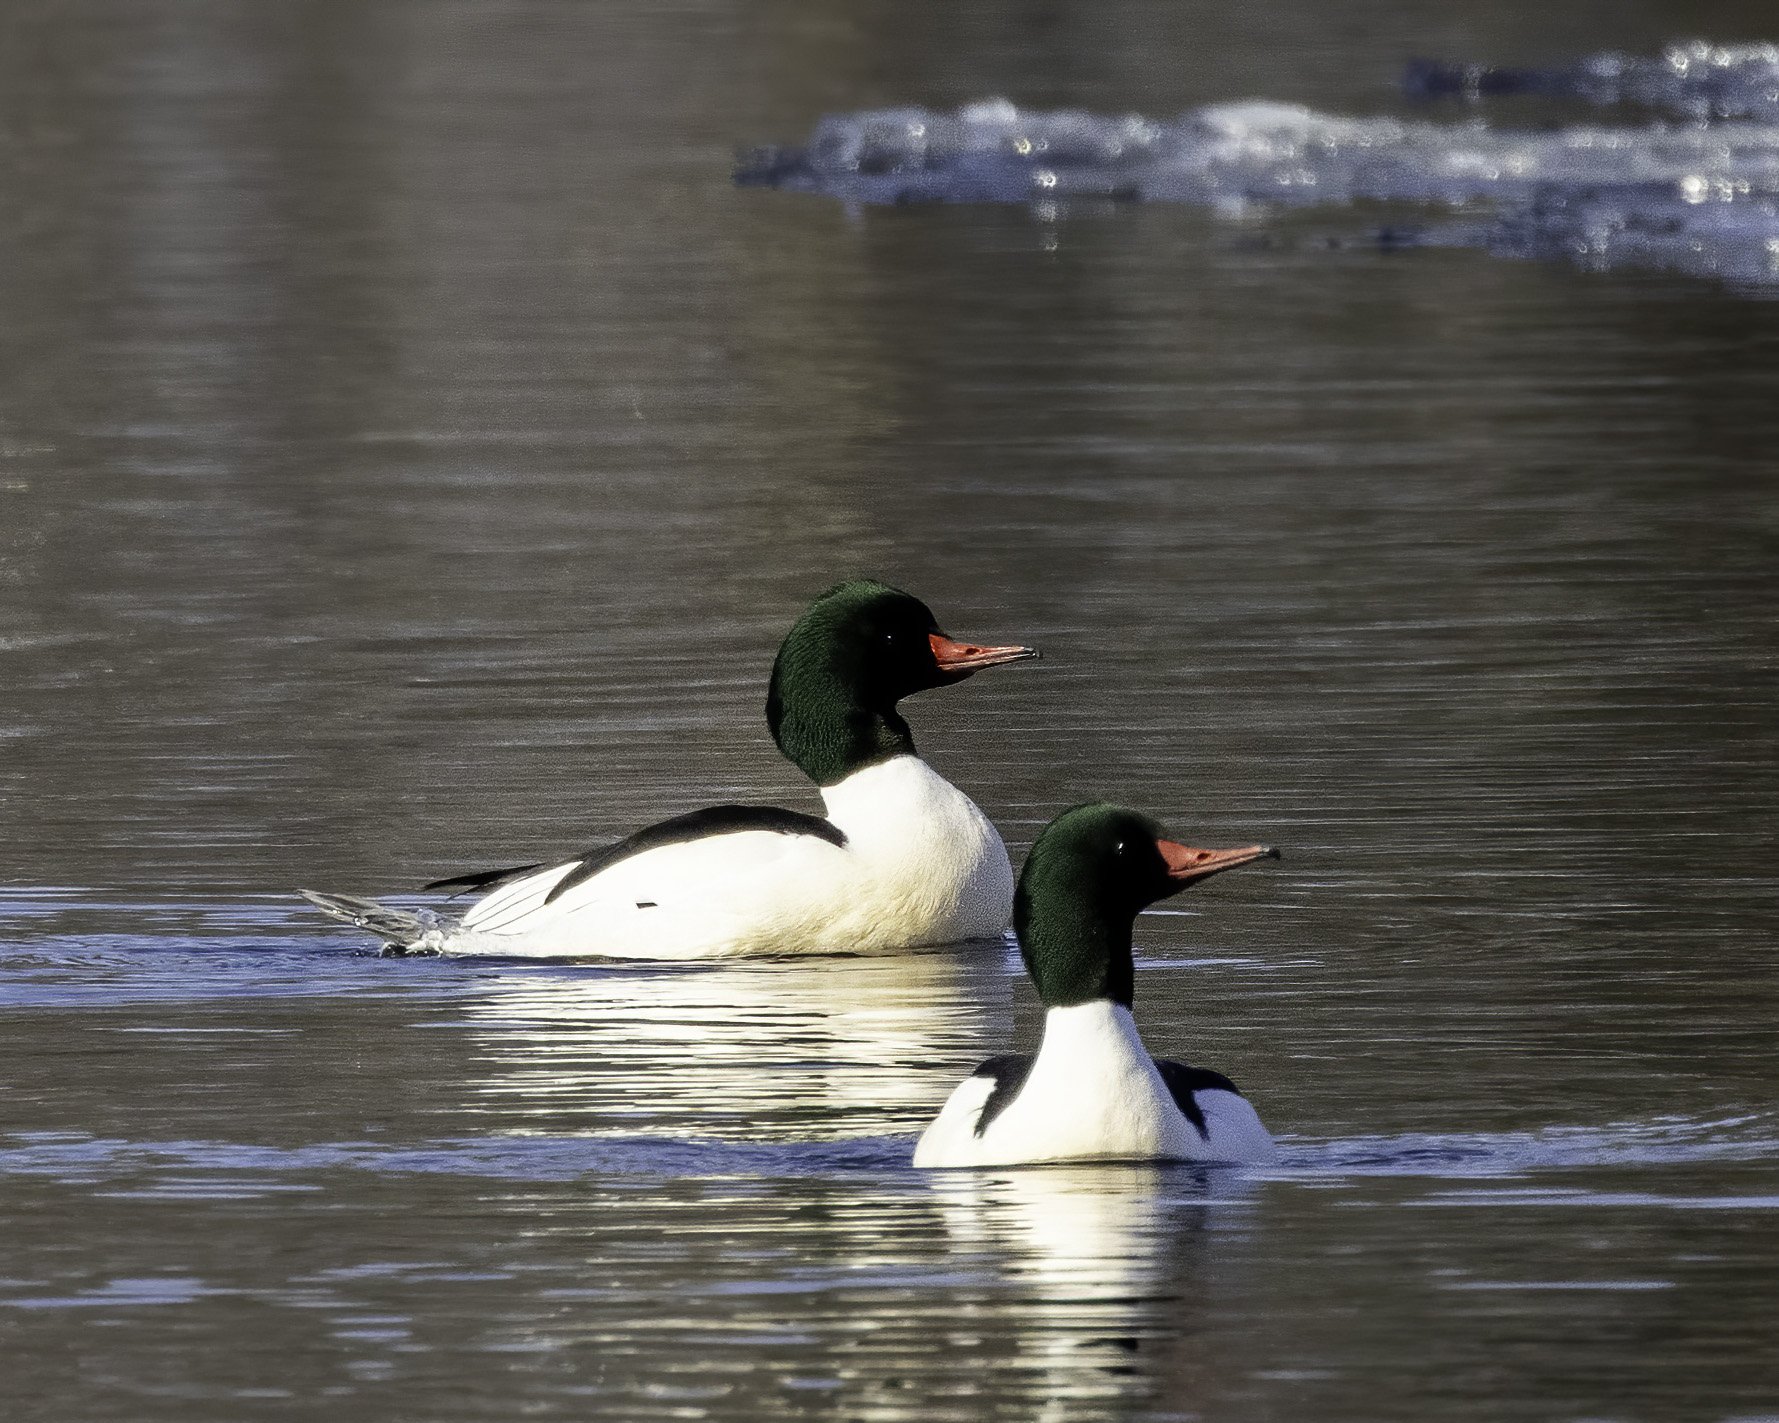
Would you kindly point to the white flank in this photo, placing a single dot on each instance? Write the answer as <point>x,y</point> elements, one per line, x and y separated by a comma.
<point>1093,1094</point>
<point>922,865</point>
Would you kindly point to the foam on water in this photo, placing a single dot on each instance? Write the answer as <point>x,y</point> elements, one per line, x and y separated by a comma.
<point>1699,197</point>
<point>64,948</point>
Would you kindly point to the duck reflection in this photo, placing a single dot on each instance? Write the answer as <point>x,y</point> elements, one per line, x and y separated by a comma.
<point>755,1050</point>
<point>1108,1264</point>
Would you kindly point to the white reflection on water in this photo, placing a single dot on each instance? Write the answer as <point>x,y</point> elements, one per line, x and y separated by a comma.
<point>781,1050</point>
<point>1098,1255</point>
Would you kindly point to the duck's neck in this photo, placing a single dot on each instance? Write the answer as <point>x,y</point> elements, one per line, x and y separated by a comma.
<point>824,729</point>
<point>903,807</point>
<point>1076,949</point>
<point>1084,1032</point>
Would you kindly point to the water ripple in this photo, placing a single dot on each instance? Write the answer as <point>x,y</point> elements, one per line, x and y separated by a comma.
<point>178,1166</point>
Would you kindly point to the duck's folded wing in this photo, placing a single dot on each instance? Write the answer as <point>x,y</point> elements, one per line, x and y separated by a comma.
<point>685,860</point>
<point>1006,1075</point>
<point>954,1137</point>
<point>1184,1081</point>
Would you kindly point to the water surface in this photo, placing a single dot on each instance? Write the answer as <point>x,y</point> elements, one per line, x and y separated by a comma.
<point>412,448</point>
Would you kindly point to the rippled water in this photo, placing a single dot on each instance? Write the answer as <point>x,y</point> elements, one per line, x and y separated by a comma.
<point>412,447</point>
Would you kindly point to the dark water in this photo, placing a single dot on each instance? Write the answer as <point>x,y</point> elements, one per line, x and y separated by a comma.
<point>411,450</point>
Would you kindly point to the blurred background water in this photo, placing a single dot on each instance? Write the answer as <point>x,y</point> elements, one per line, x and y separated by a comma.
<point>412,448</point>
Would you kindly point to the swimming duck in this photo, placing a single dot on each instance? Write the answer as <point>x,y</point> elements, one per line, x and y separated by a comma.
<point>1092,1092</point>
<point>902,857</point>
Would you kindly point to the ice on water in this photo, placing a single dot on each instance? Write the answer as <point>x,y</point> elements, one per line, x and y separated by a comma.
<point>1694,79</point>
<point>1683,175</point>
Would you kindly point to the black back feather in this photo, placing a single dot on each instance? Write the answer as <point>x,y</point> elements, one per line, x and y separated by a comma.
<point>1183,1080</point>
<point>484,879</point>
<point>1009,1072</point>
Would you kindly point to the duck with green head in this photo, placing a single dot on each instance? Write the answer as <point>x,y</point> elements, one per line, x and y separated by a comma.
<point>1092,1091</point>
<point>901,858</point>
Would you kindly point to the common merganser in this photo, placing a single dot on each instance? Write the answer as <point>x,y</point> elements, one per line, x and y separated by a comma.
<point>903,857</point>
<point>1092,1092</point>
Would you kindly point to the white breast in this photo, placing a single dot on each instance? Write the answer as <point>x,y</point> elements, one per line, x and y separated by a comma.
<point>934,869</point>
<point>1093,1094</point>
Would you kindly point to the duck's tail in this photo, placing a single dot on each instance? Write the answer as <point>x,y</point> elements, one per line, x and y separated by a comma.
<point>400,929</point>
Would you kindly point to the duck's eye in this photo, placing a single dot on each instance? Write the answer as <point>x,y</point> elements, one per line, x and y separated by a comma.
<point>890,639</point>
<point>1121,849</point>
